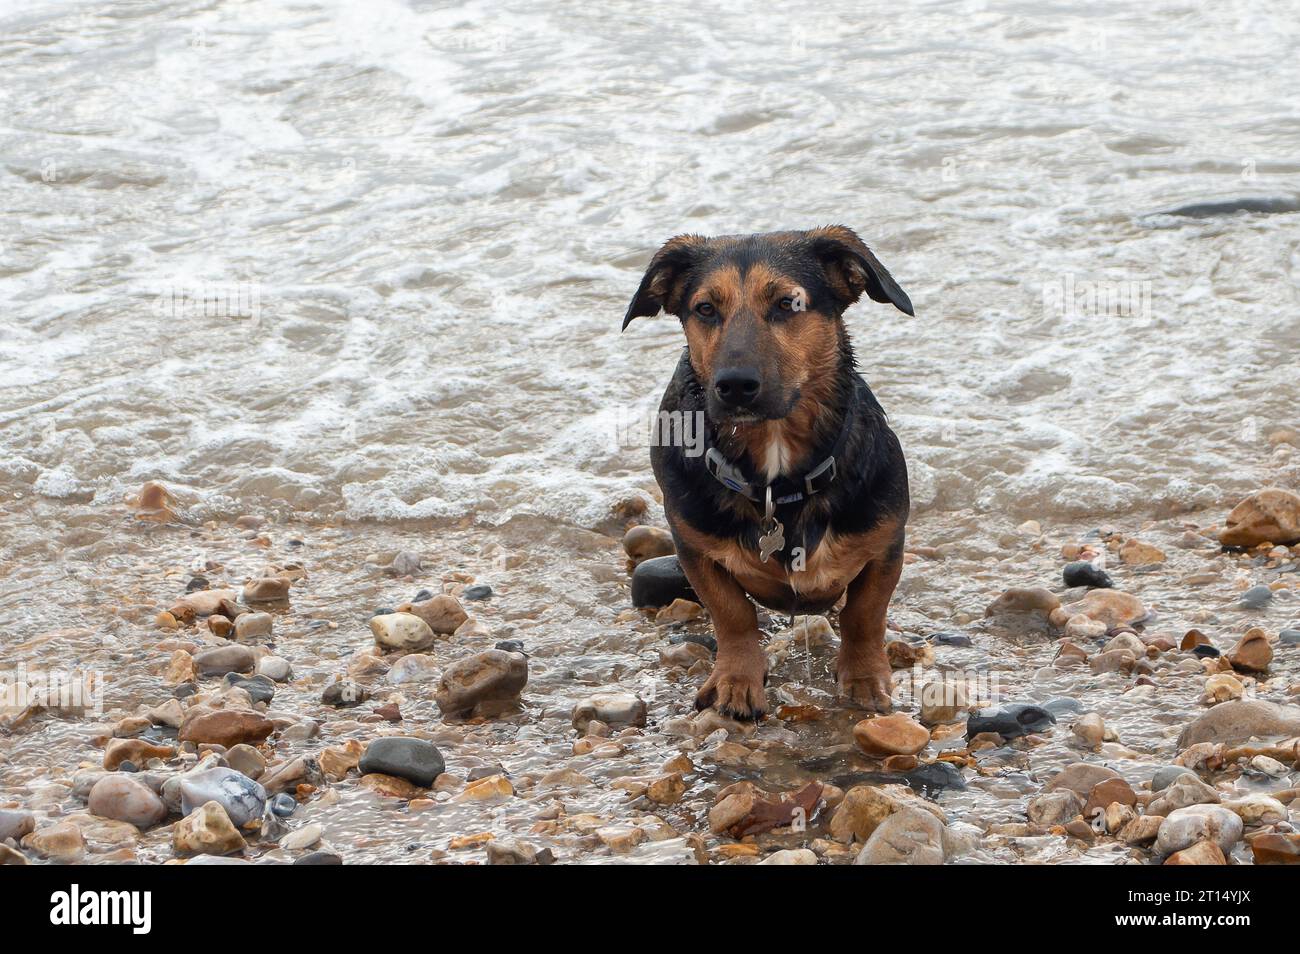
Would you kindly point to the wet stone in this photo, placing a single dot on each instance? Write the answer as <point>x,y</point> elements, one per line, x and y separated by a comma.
<point>403,631</point>
<point>224,659</point>
<point>1010,721</point>
<point>415,760</point>
<point>271,589</point>
<point>275,668</point>
<point>952,639</point>
<point>895,734</point>
<point>413,668</point>
<point>478,591</point>
<point>207,830</point>
<point>1054,808</point>
<point>1252,653</point>
<point>611,708</point>
<point>1166,775</point>
<point>306,837</point>
<point>1239,720</point>
<point>1080,778</point>
<point>246,759</point>
<point>62,843</point>
<point>1021,600</point>
<point>934,777</point>
<point>405,563</point>
<point>1276,848</point>
<point>1062,705</point>
<point>123,798</point>
<point>344,694</point>
<point>1271,515</point>
<point>259,688</point>
<point>1083,573</point>
<point>15,823</point>
<point>1257,597</point>
<point>643,543</point>
<point>659,581</point>
<point>226,727</point>
<point>487,683</point>
<point>1187,826</point>
<point>242,799</point>
<point>910,836</point>
<point>442,614</point>
<point>700,639</point>
<point>252,626</point>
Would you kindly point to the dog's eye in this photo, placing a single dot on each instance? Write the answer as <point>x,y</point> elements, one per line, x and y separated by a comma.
<point>786,304</point>
<point>706,310</point>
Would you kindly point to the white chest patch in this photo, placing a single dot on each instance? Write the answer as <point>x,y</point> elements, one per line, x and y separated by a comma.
<point>778,454</point>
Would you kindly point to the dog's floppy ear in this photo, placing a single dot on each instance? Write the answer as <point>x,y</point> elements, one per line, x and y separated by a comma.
<point>853,269</point>
<point>667,266</point>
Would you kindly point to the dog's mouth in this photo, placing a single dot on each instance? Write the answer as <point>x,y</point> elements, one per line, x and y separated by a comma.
<point>748,417</point>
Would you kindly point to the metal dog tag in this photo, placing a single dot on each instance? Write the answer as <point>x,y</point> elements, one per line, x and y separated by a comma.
<point>773,537</point>
<point>770,542</point>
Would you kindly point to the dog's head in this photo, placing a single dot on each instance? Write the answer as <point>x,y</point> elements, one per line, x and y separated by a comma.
<point>762,312</point>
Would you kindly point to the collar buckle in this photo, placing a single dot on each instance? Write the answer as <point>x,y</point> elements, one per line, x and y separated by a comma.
<point>812,481</point>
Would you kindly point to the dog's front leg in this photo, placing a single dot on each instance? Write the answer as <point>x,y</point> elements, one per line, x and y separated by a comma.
<point>862,670</point>
<point>735,687</point>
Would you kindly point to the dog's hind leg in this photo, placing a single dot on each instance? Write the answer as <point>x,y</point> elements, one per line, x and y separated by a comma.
<point>862,670</point>
<point>735,687</point>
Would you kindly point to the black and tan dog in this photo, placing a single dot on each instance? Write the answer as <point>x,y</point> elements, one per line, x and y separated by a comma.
<point>802,495</point>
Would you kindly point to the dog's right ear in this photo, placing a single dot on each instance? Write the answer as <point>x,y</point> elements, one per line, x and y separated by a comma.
<point>659,285</point>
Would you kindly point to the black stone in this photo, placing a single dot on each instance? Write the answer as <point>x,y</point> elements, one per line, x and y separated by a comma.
<point>319,858</point>
<point>703,639</point>
<point>1270,205</point>
<point>659,581</point>
<point>479,591</point>
<point>383,611</point>
<point>196,584</point>
<point>259,688</point>
<point>126,765</point>
<point>486,771</point>
<point>284,805</point>
<point>185,690</point>
<point>1010,721</point>
<point>934,777</point>
<point>344,694</point>
<point>1206,650</point>
<point>951,639</point>
<point>510,646</point>
<point>1289,637</point>
<point>415,760</point>
<point>1083,573</point>
<point>421,596</point>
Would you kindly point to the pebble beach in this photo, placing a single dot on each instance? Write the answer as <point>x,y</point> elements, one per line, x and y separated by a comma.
<point>287,697</point>
<point>327,527</point>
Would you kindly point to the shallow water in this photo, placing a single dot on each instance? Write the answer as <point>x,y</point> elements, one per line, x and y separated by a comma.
<point>360,268</point>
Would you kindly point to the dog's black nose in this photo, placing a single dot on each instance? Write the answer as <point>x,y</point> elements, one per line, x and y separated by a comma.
<point>737,387</point>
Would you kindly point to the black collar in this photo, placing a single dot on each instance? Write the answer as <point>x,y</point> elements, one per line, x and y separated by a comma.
<point>785,490</point>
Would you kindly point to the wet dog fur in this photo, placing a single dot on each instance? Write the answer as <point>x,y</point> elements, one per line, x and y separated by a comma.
<point>769,364</point>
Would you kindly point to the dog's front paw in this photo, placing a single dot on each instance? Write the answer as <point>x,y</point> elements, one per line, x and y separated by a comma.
<point>866,683</point>
<point>735,688</point>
